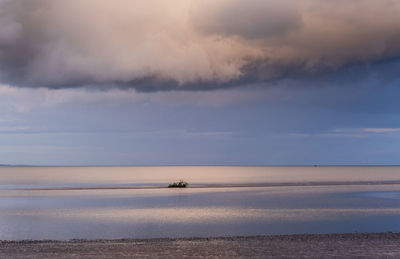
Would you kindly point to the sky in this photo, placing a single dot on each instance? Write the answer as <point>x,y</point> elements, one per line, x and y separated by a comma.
<point>188,82</point>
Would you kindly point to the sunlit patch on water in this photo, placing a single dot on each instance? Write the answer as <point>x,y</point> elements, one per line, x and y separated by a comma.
<point>200,215</point>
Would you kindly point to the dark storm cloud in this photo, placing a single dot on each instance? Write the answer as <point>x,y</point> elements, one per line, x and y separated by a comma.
<point>162,45</point>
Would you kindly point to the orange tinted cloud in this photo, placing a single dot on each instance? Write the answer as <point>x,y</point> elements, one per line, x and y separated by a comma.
<point>157,44</point>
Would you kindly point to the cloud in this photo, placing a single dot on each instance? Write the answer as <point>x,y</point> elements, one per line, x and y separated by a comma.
<point>158,45</point>
<point>10,30</point>
<point>381,130</point>
<point>351,133</point>
<point>22,100</point>
<point>257,19</point>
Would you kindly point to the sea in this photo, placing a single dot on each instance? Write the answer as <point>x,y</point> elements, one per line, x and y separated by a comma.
<point>64,203</point>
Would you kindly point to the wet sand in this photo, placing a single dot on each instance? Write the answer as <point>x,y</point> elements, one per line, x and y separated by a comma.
<point>371,245</point>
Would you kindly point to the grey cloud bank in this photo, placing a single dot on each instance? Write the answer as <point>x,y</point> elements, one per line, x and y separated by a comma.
<point>161,45</point>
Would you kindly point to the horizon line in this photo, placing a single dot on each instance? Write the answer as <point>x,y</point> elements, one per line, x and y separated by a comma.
<point>215,165</point>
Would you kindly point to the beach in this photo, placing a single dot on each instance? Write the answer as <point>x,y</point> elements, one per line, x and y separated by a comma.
<point>365,245</point>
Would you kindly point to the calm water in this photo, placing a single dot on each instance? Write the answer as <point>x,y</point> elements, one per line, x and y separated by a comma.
<point>45,202</point>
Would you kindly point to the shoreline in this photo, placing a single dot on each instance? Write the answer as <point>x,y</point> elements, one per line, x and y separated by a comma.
<point>395,235</point>
<point>367,245</point>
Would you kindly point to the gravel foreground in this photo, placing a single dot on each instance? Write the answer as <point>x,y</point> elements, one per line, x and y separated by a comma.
<point>371,245</point>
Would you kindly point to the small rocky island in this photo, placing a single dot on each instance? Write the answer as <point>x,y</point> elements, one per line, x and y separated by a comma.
<point>180,184</point>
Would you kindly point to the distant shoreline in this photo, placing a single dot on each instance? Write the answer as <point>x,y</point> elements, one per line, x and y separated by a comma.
<point>7,165</point>
<point>371,245</point>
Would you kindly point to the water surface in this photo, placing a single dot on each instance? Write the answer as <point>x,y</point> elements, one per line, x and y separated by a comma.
<point>44,203</point>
